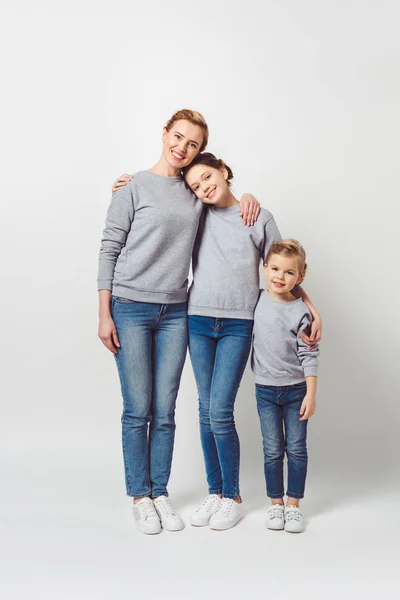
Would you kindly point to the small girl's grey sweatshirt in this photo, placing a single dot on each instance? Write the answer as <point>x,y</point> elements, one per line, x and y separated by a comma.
<point>279,356</point>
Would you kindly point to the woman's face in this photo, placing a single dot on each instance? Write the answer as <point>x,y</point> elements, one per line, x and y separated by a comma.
<point>210,185</point>
<point>181,143</point>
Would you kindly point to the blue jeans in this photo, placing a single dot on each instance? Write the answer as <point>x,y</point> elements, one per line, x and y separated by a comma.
<point>153,340</point>
<point>279,406</point>
<point>219,349</point>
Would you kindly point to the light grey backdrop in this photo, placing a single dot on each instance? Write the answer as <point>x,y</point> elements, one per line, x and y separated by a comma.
<point>302,102</point>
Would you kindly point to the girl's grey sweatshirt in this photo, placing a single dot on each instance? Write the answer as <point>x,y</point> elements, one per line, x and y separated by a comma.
<point>279,356</point>
<point>226,263</point>
<point>148,239</point>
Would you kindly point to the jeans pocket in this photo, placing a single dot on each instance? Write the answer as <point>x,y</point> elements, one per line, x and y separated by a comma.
<point>120,300</point>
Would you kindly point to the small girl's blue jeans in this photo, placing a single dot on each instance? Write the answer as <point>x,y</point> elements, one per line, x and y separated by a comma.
<point>279,411</point>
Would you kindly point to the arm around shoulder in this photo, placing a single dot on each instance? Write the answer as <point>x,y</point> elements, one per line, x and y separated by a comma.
<point>271,234</point>
<point>315,334</point>
<point>308,356</point>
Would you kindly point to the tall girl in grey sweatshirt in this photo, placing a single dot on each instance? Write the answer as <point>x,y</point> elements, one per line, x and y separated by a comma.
<point>222,300</point>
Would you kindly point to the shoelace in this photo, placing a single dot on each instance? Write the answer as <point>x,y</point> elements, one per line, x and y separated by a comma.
<point>207,504</point>
<point>225,506</point>
<point>147,510</point>
<point>292,515</point>
<point>275,512</point>
<point>165,507</point>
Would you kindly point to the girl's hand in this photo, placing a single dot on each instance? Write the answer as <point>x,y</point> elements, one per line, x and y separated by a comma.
<point>307,408</point>
<point>249,209</point>
<point>315,334</point>
<point>108,335</point>
<point>121,181</point>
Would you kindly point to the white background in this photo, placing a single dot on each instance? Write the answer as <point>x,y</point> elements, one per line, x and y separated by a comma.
<point>302,102</point>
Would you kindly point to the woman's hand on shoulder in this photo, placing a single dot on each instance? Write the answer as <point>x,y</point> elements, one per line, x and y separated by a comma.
<point>121,181</point>
<point>249,209</point>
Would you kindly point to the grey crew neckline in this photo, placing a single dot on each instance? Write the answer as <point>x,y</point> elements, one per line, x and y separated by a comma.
<point>227,209</point>
<point>166,177</point>
<point>279,301</point>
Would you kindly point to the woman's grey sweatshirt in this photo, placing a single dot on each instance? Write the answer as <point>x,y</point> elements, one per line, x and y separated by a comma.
<point>226,263</point>
<point>279,356</point>
<point>148,239</point>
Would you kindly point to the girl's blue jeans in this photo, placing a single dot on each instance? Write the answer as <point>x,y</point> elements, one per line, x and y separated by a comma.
<point>279,412</point>
<point>219,349</point>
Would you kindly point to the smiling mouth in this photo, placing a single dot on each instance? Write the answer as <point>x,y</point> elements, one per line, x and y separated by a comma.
<point>211,194</point>
<point>177,156</point>
<point>278,284</point>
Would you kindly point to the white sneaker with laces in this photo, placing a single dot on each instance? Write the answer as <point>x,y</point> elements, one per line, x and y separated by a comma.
<point>228,514</point>
<point>170,520</point>
<point>146,517</point>
<point>294,522</point>
<point>275,517</point>
<point>202,515</point>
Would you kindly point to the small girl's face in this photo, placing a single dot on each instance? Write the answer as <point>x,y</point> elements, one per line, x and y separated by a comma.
<point>282,273</point>
<point>210,185</point>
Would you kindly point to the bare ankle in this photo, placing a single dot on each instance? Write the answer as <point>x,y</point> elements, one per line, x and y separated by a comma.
<point>136,500</point>
<point>293,502</point>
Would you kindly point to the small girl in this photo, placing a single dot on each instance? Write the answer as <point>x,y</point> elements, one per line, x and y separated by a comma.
<point>285,369</point>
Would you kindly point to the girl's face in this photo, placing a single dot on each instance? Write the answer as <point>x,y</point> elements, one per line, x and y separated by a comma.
<point>181,143</point>
<point>210,185</point>
<point>282,273</point>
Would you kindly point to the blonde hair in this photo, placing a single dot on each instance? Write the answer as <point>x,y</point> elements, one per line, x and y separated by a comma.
<point>193,117</point>
<point>290,247</point>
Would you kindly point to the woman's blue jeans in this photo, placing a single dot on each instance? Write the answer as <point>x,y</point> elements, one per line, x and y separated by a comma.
<point>153,340</point>
<point>279,411</point>
<point>219,349</point>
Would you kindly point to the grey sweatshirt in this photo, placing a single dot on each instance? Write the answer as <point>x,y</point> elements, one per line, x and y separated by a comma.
<point>148,239</point>
<point>226,262</point>
<point>279,356</point>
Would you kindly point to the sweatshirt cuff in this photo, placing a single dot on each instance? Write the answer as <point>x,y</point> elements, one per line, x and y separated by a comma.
<point>310,371</point>
<point>104,284</point>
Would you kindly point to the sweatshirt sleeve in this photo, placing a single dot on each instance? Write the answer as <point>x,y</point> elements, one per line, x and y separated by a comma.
<point>309,358</point>
<point>118,224</point>
<point>271,235</point>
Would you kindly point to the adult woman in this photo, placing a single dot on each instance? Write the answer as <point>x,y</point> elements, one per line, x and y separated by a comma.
<point>221,303</point>
<point>143,269</point>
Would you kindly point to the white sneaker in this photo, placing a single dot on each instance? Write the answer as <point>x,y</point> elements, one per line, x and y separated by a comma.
<point>146,517</point>
<point>294,522</point>
<point>228,514</point>
<point>203,514</point>
<point>275,517</point>
<point>169,519</point>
